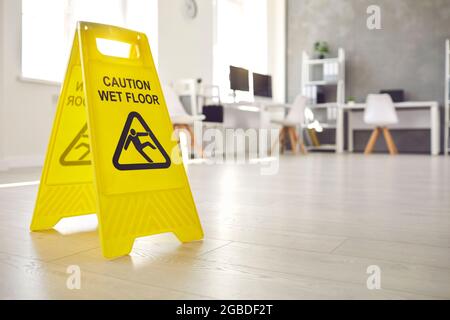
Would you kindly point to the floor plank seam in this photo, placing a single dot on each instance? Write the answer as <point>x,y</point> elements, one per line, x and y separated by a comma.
<point>21,256</point>
<point>338,246</point>
<point>273,246</point>
<point>135,282</point>
<point>442,229</point>
<point>70,255</point>
<point>394,290</point>
<point>212,250</point>
<point>400,242</point>
<point>340,254</point>
<point>408,263</point>
<point>340,236</point>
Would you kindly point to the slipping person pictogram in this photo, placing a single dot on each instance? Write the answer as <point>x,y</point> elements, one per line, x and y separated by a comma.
<point>76,154</point>
<point>136,138</point>
<point>85,146</point>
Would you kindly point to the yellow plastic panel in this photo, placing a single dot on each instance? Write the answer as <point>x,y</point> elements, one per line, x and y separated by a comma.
<point>66,187</point>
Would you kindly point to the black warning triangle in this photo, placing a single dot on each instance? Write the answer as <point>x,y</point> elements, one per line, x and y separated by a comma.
<point>131,137</point>
<point>79,146</point>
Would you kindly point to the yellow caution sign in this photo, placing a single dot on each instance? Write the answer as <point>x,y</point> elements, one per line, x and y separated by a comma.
<point>111,147</point>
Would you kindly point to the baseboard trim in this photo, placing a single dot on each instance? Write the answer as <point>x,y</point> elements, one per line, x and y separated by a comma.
<point>21,162</point>
<point>3,165</point>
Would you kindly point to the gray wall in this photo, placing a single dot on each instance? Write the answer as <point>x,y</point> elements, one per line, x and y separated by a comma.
<point>407,53</point>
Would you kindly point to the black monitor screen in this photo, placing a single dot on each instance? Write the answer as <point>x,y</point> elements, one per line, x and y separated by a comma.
<point>262,85</point>
<point>239,79</point>
<point>396,95</point>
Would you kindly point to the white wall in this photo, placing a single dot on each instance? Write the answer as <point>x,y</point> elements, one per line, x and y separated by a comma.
<point>185,45</point>
<point>277,47</point>
<point>27,109</point>
<point>1,81</point>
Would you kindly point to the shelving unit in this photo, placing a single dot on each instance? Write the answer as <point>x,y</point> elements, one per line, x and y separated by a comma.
<point>332,72</point>
<point>447,96</point>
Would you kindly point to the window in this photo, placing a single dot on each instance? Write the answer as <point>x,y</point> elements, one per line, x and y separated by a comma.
<point>48,28</point>
<point>242,40</point>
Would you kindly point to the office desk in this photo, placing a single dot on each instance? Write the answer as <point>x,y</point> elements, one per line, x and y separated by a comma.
<point>252,115</point>
<point>412,115</point>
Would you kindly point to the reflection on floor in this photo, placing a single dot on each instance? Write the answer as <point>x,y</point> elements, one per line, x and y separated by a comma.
<point>310,231</point>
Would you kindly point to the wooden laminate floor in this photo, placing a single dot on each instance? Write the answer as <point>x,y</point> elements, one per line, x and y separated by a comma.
<point>309,232</point>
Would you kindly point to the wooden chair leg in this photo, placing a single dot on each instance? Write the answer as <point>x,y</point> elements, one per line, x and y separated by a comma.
<point>390,142</point>
<point>185,127</point>
<point>303,148</point>
<point>293,139</point>
<point>314,138</point>
<point>274,144</point>
<point>280,141</point>
<point>372,141</point>
<point>175,128</point>
<point>194,144</point>
<point>283,140</point>
<point>301,142</point>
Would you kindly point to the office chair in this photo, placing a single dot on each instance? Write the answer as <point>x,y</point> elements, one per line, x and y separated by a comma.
<point>295,118</point>
<point>380,112</point>
<point>181,120</point>
<point>188,88</point>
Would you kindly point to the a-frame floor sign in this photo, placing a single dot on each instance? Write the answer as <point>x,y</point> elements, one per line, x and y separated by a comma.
<point>111,147</point>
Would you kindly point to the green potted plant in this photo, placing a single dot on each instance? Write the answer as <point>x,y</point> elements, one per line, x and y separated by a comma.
<point>351,101</point>
<point>321,49</point>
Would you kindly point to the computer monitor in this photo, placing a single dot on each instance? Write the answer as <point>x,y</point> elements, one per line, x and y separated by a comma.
<point>239,79</point>
<point>262,85</point>
<point>396,95</point>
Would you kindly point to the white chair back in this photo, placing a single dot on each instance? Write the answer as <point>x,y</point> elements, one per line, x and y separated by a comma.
<point>188,88</point>
<point>173,102</point>
<point>297,112</point>
<point>380,110</point>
